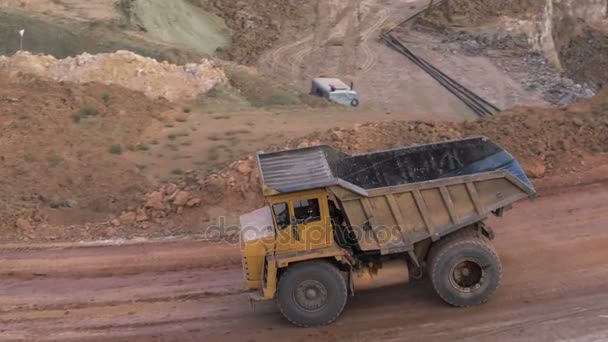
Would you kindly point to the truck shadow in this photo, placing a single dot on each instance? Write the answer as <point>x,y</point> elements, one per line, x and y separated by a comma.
<point>413,294</point>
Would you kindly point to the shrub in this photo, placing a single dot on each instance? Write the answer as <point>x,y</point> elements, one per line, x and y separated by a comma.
<point>84,113</point>
<point>115,149</point>
<point>106,99</point>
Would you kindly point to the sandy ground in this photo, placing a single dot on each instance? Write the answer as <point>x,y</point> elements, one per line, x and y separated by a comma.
<point>219,137</point>
<point>553,250</point>
<point>344,42</point>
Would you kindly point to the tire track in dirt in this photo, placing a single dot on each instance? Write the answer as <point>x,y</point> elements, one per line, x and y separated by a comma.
<point>339,44</point>
<point>334,46</point>
<point>371,58</point>
<point>279,56</point>
<point>101,261</point>
<point>330,16</point>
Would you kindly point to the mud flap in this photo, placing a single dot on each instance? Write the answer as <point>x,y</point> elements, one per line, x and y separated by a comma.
<point>256,298</point>
<point>486,231</point>
<point>351,283</point>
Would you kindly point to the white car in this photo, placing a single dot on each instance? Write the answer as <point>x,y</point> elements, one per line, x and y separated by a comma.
<point>335,90</point>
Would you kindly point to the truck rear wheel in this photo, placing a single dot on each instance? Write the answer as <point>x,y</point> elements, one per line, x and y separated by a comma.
<point>312,294</point>
<point>465,270</point>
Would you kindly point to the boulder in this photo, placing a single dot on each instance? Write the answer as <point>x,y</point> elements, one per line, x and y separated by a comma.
<point>337,136</point>
<point>154,200</point>
<point>23,224</point>
<point>304,144</point>
<point>181,199</point>
<point>193,202</point>
<point>214,184</point>
<point>170,189</point>
<point>128,217</point>
<point>536,170</point>
<point>578,122</point>
<point>244,168</point>
<point>141,216</point>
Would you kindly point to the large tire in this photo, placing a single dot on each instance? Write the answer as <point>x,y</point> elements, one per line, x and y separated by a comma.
<point>464,269</point>
<point>312,294</point>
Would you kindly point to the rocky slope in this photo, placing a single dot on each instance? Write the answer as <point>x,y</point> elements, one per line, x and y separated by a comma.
<point>547,142</point>
<point>572,34</point>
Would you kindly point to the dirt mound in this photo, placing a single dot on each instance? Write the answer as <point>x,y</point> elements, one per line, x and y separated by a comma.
<point>545,141</point>
<point>255,24</point>
<point>60,148</point>
<point>122,68</point>
<point>52,180</point>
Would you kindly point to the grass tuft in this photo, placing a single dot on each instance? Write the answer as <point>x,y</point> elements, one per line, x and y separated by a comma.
<point>213,154</point>
<point>106,99</point>
<point>115,149</point>
<point>83,113</point>
<point>54,160</point>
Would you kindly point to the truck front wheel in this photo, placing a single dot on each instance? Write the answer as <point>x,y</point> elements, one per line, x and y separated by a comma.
<point>312,294</point>
<point>465,270</point>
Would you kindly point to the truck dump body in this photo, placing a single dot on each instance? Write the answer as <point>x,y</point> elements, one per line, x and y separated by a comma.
<point>393,199</point>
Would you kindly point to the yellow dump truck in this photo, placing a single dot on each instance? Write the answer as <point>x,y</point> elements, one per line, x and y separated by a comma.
<point>336,224</point>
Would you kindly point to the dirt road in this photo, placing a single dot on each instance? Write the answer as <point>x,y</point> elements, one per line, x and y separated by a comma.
<point>554,288</point>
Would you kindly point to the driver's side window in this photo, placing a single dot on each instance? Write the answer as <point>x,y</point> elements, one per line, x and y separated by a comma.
<point>281,214</point>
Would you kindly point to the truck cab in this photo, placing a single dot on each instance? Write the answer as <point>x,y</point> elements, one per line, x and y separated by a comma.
<point>291,224</point>
<point>335,90</point>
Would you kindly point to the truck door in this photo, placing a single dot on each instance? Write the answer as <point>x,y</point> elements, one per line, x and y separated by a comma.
<point>302,224</point>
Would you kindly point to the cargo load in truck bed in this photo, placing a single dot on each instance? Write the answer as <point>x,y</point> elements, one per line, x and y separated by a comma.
<point>323,166</point>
